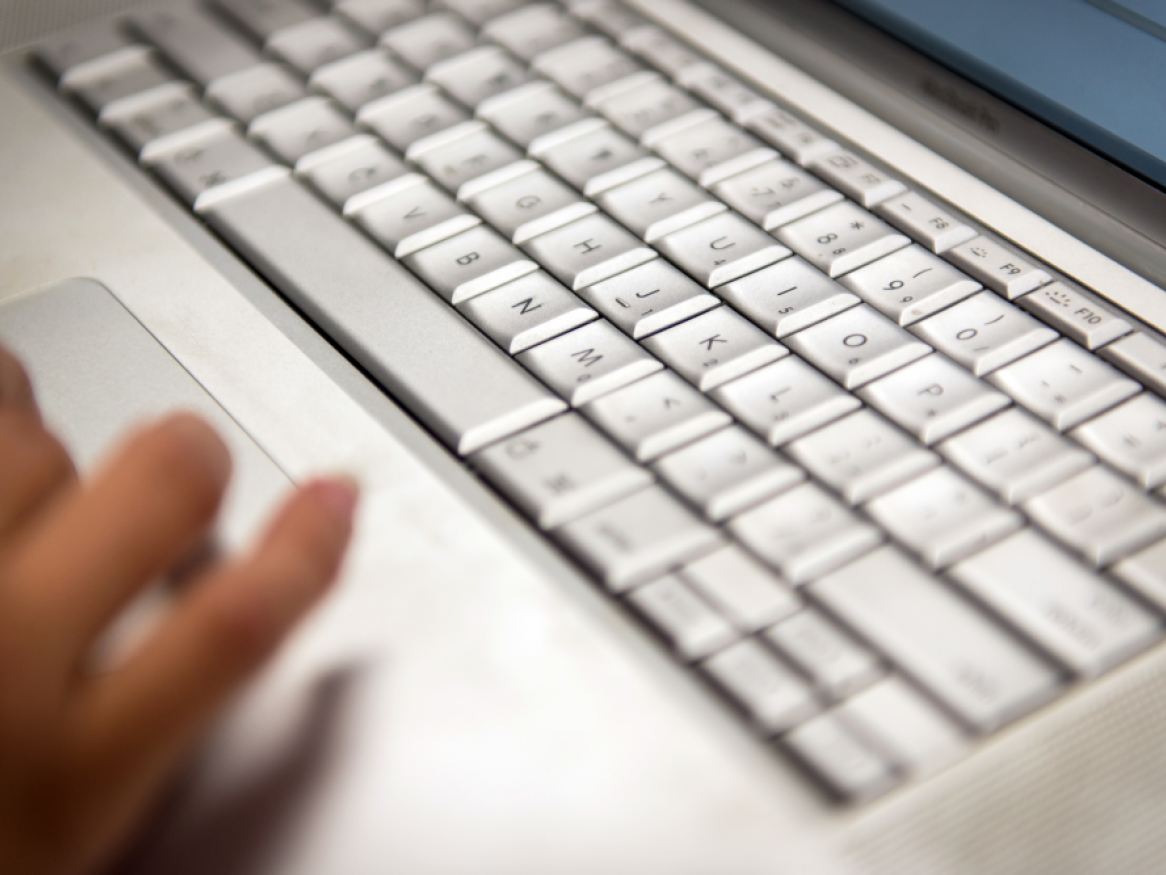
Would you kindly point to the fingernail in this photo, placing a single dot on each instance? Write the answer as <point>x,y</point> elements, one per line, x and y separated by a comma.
<point>339,495</point>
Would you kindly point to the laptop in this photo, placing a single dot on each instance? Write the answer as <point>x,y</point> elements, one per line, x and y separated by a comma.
<point>758,407</point>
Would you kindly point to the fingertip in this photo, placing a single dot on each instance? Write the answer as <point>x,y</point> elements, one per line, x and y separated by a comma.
<point>337,495</point>
<point>197,439</point>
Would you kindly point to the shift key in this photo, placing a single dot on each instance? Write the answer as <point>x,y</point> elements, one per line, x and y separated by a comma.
<point>980,672</point>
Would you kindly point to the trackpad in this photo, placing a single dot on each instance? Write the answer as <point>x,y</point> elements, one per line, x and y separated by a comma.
<point>97,372</point>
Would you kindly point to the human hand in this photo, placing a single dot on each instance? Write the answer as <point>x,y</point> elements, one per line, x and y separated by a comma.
<point>82,754</point>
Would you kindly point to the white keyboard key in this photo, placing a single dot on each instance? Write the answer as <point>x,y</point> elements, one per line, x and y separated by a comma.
<point>462,154</point>
<point>481,11</point>
<point>841,238</point>
<point>660,49</point>
<point>1145,572</point>
<point>942,518</point>
<point>659,203</point>
<point>361,78</point>
<point>593,156</point>
<point>588,251</point>
<point>933,398</point>
<point>1142,357</point>
<point>857,346</point>
<point>984,333</point>
<point>198,44</point>
<point>1077,315</point>
<point>250,93</point>
<point>1132,438</point>
<point>924,222</point>
<point>856,178</point>
<point>848,766</point>
<point>785,400</point>
<point>713,150</point>
<point>263,18</point>
<point>776,193</point>
<point>910,284</point>
<point>1063,384</point>
<point>585,64</point>
<point>997,267</point>
<point>80,45</point>
<point>726,93</point>
<point>528,112</point>
<point>533,29</point>
<point>408,214</point>
<point>940,639</point>
<point>836,664</point>
<point>100,82</point>
<point>655,415</point>
<point>608,16</point>
<point>1099,515</point>
<point>411,114</point>
<point>790,135</point>
<point>526,312</point>
<point>314,43</point>
<point>648,298</point>
<point>905,727</point>
<point>721,249</point>
<point>589,362</point>
<point>425,41</point>
<point>142,118</point>
<point>202,158</point>
<point>349,167</point>
<point>560,470</point>
<point>743,589</point>
<point>726,472</point>
<point>292,131</point>
<point>714,348</point>
<point>1015,455</point>
<point>1087,623</point>
<point>770,692</point>
<point>788,296</point>
<point>651,102</point>
<point>468,264</point>
<point>478,74</point>
<point>804,533</point>
<point>692,627</point>
<point>861,456</point>
<point>637,538</point>
<point>376,16</point>
<point>521,200</point>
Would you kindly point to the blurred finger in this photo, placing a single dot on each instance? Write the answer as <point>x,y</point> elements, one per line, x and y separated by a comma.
<point>34,468</point>
<point>15,387</point>
<point>137,517</point>
<point>139,719</point>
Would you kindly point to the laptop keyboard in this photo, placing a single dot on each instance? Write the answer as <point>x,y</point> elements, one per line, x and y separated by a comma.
<point>885,481</point>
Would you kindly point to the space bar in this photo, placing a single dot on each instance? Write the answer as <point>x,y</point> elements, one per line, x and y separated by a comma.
<point>425,354</point>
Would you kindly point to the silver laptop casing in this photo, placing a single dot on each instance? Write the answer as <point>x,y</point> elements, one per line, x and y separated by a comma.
<point>467,702</point>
